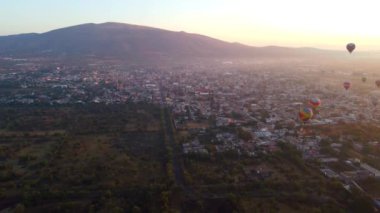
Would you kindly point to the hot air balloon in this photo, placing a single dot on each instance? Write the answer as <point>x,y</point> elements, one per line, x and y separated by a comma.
<point>350,47</point>
<point>364,79</point>
<point>377,83</point>
<point>347,85</point>
<point>305,114</point>
<point>315,102</point>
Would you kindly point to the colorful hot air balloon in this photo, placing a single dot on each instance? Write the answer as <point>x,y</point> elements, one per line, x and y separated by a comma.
<point>377,83</point>
<point>350,47</point>
<point>315,102</point>
<point>347,85</point>
<point>305,114</point>
<point>364,79</point>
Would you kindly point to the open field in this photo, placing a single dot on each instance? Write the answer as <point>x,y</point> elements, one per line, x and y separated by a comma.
<point>128,158</point>
<point>77,157</point>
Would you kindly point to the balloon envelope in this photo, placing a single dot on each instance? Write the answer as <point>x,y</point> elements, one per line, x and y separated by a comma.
<point>315,102</point>
<point>347,85</point>
<point>305,114</point>
<point>350,47</point>
<point>377,83</point>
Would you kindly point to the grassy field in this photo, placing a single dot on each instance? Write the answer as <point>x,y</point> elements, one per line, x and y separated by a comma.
<point>119,158</point>
<point>81,158</point>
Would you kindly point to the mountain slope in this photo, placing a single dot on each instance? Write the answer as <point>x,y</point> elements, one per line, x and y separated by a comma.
<point>131,41</point>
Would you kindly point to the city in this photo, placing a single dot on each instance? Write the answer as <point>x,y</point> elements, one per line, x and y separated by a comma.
<point>209,106</point>
<point>245,110</point>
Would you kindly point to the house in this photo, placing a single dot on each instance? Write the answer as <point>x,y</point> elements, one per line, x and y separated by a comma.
<point>329,173</point>
<point>369,168</point>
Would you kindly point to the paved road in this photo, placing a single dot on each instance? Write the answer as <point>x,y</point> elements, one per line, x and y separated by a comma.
<point>167,125</point>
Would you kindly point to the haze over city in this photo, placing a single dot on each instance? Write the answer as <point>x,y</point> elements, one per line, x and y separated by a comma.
<point>293,23</point>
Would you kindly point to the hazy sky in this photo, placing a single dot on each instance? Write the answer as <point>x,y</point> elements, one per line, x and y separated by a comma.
<point>319,23</point>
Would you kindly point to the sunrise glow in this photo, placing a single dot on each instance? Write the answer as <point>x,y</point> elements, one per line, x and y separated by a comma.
<point>297,23</point>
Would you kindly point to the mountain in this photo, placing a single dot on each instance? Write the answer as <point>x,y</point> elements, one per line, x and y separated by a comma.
<point>132,41</point>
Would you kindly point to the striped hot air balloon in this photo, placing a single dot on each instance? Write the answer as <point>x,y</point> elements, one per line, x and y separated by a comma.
<point>305,114</point>
<point>315,102</point>
<point>347,85</point>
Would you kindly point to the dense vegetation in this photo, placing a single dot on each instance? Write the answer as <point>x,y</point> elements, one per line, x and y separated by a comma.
<point>127,158</point>
<point>75,157</point>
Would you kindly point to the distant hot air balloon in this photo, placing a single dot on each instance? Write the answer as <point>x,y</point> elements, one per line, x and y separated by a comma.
<point>364,79</point>
<point>347,85</point>
<point>377,83</point>
<point>305,114</point>
<point>350,47</point>
<point>315,102</point>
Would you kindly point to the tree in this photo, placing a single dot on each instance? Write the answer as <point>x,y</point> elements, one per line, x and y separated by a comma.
<point>165,201</point>
<point>20,208</point>
<point>136,209</point>
<point>244,135</point>
<point>361,204</point>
